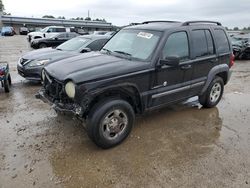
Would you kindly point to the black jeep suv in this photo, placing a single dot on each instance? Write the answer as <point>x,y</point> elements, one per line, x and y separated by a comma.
<point>142,67</point>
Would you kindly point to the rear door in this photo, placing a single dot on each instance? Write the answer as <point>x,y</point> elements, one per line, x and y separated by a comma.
<point>204,57</point>
<point>172,83</point>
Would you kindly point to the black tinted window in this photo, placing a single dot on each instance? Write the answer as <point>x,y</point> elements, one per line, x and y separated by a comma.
<point>200,43</point>
<point>221,40</point>
<point>203,43</point>
<point>97,44</point>
<point>60,30</point>
<point>177,45</point>
<point>210,43</point>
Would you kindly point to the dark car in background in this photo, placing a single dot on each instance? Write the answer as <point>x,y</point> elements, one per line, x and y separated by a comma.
<point>241,46</point>
<point>23,30</point>
<point>31,64</point>
<point>53,41</point>
<point>7,31</point>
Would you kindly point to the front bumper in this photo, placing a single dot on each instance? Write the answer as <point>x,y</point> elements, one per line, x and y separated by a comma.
<point>70,108</point>
<point>30,73</point>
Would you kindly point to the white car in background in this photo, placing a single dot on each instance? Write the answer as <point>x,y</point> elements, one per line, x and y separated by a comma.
<point>47,32</point>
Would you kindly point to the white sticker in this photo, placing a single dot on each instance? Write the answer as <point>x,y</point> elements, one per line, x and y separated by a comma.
<point>145,35</point>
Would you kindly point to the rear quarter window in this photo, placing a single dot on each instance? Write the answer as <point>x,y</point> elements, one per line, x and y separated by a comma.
<point>221,40</point>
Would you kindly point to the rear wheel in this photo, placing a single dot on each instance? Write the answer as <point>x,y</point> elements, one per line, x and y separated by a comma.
<point>110,122</point>
<point>213,94</point>
<point>42,45</point>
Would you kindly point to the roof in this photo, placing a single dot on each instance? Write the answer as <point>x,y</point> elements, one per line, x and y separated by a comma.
<point>164,25</point>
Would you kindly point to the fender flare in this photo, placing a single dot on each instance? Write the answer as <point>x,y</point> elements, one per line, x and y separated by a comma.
<point>213,72</point>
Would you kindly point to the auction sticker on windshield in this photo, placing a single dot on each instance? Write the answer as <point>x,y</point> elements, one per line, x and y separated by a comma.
<point>145,35</point>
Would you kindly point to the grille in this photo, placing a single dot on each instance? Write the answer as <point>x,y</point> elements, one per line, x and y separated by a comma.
<point>55,90</point>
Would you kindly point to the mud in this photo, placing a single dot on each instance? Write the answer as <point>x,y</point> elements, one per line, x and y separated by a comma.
<point>180,146</point>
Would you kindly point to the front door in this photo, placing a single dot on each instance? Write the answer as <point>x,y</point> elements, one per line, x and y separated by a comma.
<point>172,83</point>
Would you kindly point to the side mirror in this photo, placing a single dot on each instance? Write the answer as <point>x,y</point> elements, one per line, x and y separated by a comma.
<point>173,61</point>
<point>55,38</point>
<point>48,31</point>
<point>84,50</point>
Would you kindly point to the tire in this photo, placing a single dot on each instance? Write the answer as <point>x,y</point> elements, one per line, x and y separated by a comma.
<point>7,85</point>
<point>9,80</point>
<point>42,45</point>
<point>110,122</point>
<point>213,94</point>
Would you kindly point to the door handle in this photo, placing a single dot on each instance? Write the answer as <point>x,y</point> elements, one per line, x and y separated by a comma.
<point>185,67</point>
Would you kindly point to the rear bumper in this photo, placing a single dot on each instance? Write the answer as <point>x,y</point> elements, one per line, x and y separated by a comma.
<point>70,108</point>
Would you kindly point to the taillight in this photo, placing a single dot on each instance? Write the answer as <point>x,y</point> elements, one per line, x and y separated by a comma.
<point>1,72</point>
<point>231,60</point>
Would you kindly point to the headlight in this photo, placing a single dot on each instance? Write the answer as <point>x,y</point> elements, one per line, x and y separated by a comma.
<point>35,63</point>
<point>70,89</point>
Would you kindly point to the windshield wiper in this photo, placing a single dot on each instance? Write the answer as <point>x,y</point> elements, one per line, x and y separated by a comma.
<point>59,49</point>
<point>124,53</point>
<point>107,50</point>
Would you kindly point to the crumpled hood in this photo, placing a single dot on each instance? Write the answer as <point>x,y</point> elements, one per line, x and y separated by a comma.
<point>37,33</point>
<point>93,66</point>
<point>48,53</point>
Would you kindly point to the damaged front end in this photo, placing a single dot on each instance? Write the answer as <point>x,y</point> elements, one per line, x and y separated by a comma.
<point>53,92</point>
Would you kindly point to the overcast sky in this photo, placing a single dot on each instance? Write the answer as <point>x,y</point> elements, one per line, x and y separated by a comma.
<point>122,12</point>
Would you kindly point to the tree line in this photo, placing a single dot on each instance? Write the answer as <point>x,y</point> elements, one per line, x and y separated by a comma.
<point>77,18</point>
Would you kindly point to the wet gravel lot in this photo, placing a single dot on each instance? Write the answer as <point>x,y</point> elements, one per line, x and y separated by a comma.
<point>180,146</point>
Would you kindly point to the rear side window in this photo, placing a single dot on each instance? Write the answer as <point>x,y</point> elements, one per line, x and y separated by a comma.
<point>177,45</point>
<point>210,42</point>
<point>60,30</point>
<point>97,44</point>
<point>203,43</point>
<point>221,40</point>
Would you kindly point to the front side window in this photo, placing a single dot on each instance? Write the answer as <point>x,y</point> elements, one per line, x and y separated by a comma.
<point>137,44</point>
<point>177,45</point>
<point>97,44</point>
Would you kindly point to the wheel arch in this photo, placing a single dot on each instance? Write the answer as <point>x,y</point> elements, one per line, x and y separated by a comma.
<point>127,92</point>
<point>219,70</point>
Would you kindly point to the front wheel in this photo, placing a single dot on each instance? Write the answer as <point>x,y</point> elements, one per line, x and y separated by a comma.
<point>213,94</point>
<point>110,122</point>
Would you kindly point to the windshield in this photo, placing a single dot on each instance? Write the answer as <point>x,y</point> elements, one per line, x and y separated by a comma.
<point>138,44</point>
<point>6,29</point>
<point>73,44</point>
<point>43,30</point>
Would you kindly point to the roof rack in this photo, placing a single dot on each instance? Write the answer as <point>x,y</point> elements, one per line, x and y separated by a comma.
<point>194,22</point>
<point>159,21</point>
